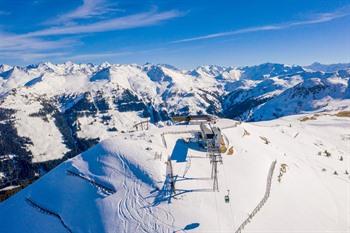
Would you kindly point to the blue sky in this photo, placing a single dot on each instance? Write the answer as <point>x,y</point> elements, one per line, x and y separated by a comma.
<point>183,33</point>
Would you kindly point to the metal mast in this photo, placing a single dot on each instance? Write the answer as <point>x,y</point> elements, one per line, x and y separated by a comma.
<point>213,151</point>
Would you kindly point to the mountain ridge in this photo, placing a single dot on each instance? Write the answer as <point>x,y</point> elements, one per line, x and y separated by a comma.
<point>82,104</point>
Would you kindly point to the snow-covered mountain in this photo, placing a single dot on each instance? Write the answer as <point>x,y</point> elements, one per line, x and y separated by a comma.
<point>285,175</point>
<point>316,66</point>
<point>309,95</point>
<point>51,112</point>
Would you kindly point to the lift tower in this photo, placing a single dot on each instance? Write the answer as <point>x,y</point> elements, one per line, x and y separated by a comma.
<point>215,158</point>
<point>213,152</point>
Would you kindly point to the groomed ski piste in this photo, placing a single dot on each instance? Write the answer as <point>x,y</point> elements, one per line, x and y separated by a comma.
<point>285,175</point>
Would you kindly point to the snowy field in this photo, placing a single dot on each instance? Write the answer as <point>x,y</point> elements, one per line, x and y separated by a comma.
<point>123,183</point>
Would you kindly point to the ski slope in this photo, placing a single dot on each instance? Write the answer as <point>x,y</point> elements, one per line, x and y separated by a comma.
<point>122,184</point>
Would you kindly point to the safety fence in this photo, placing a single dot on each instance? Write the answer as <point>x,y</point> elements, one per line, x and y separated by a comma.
<point>48,212</point>
<point>175,132</point>
<point>106,190</point>
<point>142,125</point>
<point>262,201</point>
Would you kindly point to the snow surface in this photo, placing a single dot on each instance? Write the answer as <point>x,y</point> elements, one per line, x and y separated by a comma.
<point>47,141</point>
<point>121,186</point>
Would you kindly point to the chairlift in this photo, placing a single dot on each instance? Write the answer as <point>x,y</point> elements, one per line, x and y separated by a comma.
<point>227,197</point>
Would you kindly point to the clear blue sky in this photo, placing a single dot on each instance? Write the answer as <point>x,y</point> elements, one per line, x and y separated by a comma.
<point>183,33</point>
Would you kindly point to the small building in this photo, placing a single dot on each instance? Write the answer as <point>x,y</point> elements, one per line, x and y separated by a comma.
<point>194,119</point>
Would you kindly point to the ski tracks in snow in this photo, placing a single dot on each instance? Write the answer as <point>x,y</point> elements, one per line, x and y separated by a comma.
<point>137,214</point>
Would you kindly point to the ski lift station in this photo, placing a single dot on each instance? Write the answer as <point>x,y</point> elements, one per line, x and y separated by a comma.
<point>210,135</point>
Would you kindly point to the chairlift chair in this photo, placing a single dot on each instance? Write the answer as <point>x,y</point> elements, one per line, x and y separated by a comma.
<point>227,197</point>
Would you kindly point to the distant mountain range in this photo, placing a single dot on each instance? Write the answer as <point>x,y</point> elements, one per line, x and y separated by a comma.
<point>51,112</point>
<point>316,66</point>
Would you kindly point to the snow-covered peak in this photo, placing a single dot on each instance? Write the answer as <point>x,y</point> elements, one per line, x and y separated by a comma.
<point>15,72</point>
<point>267,70</point>
<point>104,65</point>
<point>316,66</point>
<point>45,67</point>
<point>207,71</point>
<point>69,63</point>
<point>4,67</point>
<point>230,74</point>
